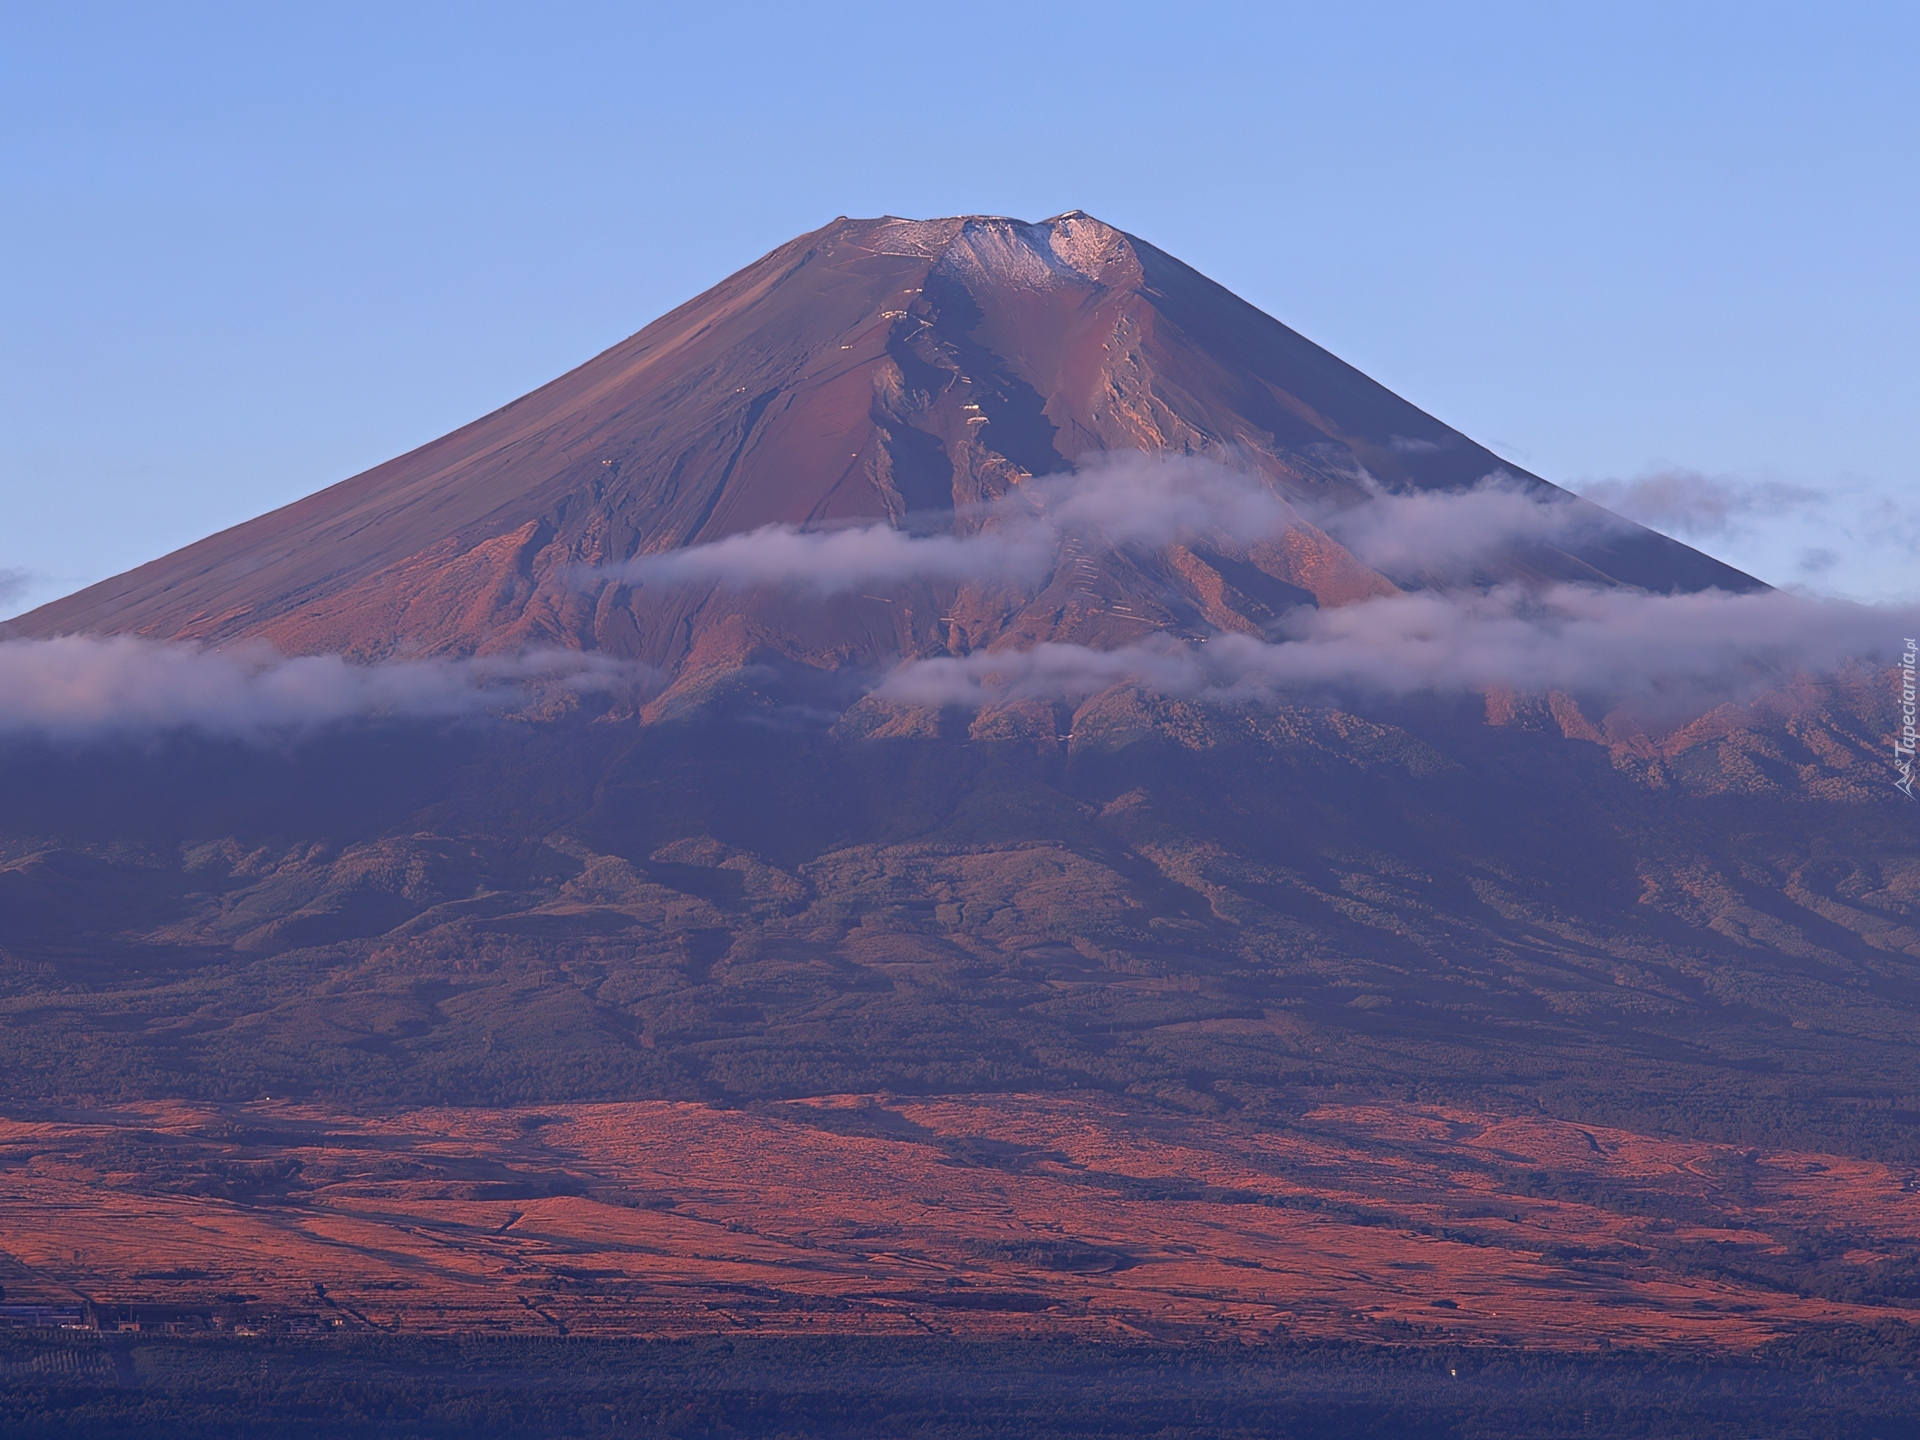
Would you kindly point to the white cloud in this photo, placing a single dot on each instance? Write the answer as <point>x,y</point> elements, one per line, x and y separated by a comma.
<point>1127,499</point>
<point>1679,650</point>
<point>832,562</point>
<point>81,686</point>
<point>1115,501</point>
<point>1442,534</point>
<point>1852,536</point>
<point>1615,643</point>
<point>1695,504</point>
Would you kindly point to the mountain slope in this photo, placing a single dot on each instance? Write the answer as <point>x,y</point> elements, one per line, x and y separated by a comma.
<point>870,371</point>
<point>1102,982</point>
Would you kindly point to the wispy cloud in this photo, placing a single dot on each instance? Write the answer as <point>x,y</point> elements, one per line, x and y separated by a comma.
<point>1449,533</point>
<point>1695,504</point>
<point>1120,500</point>
<point>830,562</point>
<point>85,686</point>
<point>1852,535</point>
<point>13,584</point>
<point>1615,643</point>
<point>1620,644</point>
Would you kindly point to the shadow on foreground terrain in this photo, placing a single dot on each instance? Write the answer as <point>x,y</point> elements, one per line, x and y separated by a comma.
<point>1218,911</point>
<point>1856,1383</point>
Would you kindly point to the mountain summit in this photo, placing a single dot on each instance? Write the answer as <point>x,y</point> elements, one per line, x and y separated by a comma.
<point>889,370</point>
<point>817,995</point>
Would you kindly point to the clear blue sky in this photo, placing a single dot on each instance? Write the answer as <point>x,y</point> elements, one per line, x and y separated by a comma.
<point>249,250</point>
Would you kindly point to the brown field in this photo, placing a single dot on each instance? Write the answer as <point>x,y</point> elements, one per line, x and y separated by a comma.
<point>1002,1215</point>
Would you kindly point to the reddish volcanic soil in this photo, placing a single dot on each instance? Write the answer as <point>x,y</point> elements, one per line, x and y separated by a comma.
<point>1002,1215</point>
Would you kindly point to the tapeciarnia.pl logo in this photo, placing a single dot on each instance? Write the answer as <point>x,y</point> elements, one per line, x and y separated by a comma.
<point>1903,745</point>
